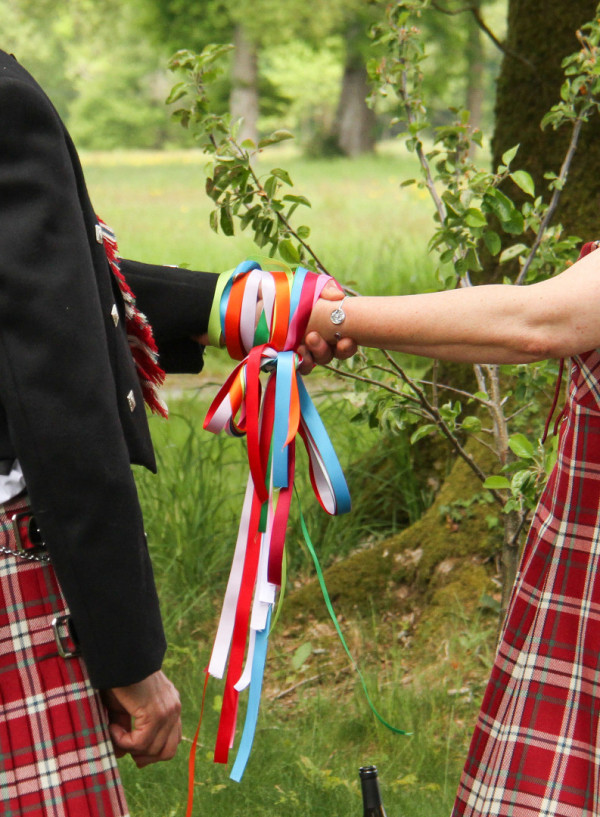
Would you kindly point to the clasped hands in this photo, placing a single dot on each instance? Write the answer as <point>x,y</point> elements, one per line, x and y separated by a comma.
<point>315,349</point>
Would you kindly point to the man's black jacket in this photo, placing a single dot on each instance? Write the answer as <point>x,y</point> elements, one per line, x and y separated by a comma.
<point>65,376</point>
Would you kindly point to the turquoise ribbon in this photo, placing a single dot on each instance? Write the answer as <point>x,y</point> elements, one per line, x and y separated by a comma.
<point>286,366</point>
<point>323,444</point>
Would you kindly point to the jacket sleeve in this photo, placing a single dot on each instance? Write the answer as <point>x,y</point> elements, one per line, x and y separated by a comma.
<point>58,391</point>
<point>177,304</point>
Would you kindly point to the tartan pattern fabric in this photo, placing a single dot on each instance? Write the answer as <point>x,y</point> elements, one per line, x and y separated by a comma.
<point>56,757</point>
<point>536,746</point>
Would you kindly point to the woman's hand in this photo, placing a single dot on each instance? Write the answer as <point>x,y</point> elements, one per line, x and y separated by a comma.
<point>317,350</point>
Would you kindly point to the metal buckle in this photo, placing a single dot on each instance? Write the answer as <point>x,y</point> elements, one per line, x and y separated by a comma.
<point>27,534</point>
<point>63,635</point>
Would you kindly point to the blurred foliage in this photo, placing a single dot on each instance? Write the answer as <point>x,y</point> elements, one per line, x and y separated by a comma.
<point>103,63</point>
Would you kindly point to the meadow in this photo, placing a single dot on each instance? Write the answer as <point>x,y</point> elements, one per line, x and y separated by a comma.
<point>315,727</point>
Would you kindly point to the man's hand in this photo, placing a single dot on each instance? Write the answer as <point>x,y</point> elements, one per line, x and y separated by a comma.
<point>144,719</point>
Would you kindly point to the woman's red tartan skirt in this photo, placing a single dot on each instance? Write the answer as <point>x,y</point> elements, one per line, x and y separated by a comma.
<point>536,747</point>
<point>56,757</point>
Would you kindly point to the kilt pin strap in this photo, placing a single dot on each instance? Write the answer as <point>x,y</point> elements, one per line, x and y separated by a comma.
<point>56,757</point>
<point>536,747</point>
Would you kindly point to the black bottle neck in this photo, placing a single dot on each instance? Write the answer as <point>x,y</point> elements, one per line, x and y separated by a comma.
<point>372,805</point>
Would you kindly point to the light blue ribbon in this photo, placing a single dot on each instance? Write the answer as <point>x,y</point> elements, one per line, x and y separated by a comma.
<point>283,386</point>
<point>256,679</point>
<point>323,444</point>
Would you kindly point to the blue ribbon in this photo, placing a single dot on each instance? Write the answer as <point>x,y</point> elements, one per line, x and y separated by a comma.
<point>283,385</point>
<point>256,679</point>
<point>319,434</point>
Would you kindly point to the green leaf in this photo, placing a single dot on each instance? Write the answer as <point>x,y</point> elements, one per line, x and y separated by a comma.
<point>496,483</point>
<point>521,446</point>
<point>492,242</point>
<point>288,252</point>
<point>520,481</point>
<point>475,218</point>
<point>214,220</point>
<point>510,154</point>
<point>472,260</point>
<point>275,137</point>
<point>283,175</point>
<point>271,186</point>
<point>471,423</point>
<point>421,432</point>
<point>513,252</point>
<point>302,653</point>
<point>509,216</point>
<point>303,232</point>
<point>297,199</point>
<point>523,180</point>
<point>227,220</point>
<point>177,92</point>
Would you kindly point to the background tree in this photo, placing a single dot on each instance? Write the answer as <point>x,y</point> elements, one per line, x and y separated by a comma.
<point>541,33</point>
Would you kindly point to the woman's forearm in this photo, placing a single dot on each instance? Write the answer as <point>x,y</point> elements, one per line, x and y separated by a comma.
<point>479,324</point>
<point>485,324</point>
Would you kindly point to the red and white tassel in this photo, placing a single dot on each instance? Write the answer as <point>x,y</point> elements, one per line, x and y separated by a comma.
<point>139,332</point>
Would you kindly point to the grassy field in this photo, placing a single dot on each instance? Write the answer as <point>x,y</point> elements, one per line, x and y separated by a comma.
<point>315,727</point>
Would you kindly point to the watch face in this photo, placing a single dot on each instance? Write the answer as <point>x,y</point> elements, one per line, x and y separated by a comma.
<point>338,316</point>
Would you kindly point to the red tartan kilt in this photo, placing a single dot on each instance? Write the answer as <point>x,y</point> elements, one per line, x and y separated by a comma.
<point>534,752</point>
<point>56,757</point>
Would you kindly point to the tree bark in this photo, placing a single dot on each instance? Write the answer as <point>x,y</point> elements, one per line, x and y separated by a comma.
<point>244,100</point>
<point>355,122</point>
<point>541,33</point>
<point>475,74</point>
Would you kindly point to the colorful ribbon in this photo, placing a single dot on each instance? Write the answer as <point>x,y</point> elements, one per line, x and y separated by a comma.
<point>265,341</point>
<point>271,418</point>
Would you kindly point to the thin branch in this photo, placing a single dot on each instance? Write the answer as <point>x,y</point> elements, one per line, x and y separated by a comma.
<point>519,411</point>
<point>435,385</point>
<point>525,517</point>
<point>371,382</point>
<point>562,178</point>
<point>294,687</point>
<point>460,392</point>
<point>486,30</point>
<point>484,444</point>
<point>283,220</point>
<point>429,182</point>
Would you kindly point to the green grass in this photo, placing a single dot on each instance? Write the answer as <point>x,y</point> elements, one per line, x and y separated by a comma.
<point>310,742</point>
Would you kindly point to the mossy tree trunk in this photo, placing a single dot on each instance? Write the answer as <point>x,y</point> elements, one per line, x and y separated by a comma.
<point>541,33</point>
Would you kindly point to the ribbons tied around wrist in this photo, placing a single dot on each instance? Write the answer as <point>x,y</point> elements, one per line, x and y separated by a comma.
<point>264,340</point>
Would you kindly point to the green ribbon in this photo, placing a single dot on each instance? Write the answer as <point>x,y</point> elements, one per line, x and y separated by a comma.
<point>281,593</point>
<point>331,611</point>
<point>214,319</point>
